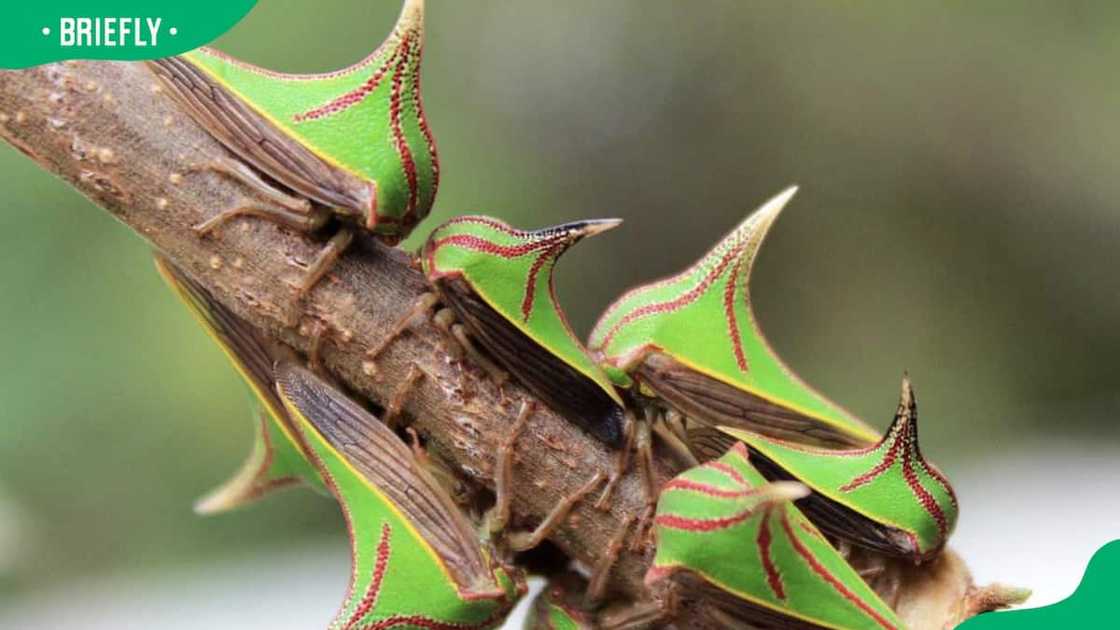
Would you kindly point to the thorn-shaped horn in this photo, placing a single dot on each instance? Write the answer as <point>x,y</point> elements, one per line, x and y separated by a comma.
<point>905,423</point>
<point>562,237</point>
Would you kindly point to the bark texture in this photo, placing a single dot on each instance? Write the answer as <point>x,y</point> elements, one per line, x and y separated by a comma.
<point>110,131</point>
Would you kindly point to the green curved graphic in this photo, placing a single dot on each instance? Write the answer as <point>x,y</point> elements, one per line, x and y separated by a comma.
<point>1092,605</point>
<point>42,32</point>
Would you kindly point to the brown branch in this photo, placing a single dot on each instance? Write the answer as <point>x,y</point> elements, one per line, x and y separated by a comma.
<point>108,130</point>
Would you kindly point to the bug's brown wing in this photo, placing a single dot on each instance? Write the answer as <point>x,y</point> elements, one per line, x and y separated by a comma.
<point>382,458</point>
<point>716,403</point>
<point>259,142</point>
<point>832,518</point>
<point>557,384</point>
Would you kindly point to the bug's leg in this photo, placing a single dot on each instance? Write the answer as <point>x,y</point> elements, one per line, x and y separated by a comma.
<point>325,259</point>
<point>621,463</point>
<point>443,476</point>
<point>461,346</point>
<point>645,465</point>
<point>497,374</point>
<point>418,451</point>
<point>597,585</point>
<point>522,541</point>
<point>400,396</point>
<point>423,306</point>
<point>678,448</point>
<point>294,212</point>
<point>677,423</point>
<point>446,321</point>
<point>498,516</point>
<point>317,332</point>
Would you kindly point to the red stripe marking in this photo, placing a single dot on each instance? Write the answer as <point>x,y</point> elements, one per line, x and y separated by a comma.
<point>531,282</point>
<point>479,244</point>
<point>349,99</point>
<point>672,521</point>
<point>824,573</point>
<point>417,102</point>
<point>941,480</point>
<point>732,319</point>
<point>495,224</point>
<point>706,489</point>
<point>880,468</point>
<point>904,438</point>
<point>420,621</point>
<point>726,469</point>
<point>773,578</point>
<point>374,590</point>
<point>923,495</point>
<point>399,141</point>
<point>669,306</point>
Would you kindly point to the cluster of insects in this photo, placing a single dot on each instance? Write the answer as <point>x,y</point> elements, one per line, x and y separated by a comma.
<point>782,485</point>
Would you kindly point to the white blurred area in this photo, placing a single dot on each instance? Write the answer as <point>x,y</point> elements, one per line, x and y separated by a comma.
<point>1032,517</point>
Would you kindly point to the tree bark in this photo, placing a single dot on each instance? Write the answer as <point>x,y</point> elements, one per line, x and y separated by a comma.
<point>110,131</point>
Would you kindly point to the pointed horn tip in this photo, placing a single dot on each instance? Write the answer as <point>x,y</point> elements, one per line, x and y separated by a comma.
<point>598,226</point>
<point>783,491</point>
<point>212,504</point>
<point>412,15</point>
<point>906,395</point>
<point>780,200</point>
<point>766,214</point>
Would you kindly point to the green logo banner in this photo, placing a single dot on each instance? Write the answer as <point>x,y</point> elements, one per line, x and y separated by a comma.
<point>34,33</point>
<point>1092,605</point>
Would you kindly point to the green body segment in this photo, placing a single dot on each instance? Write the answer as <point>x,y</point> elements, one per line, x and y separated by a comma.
<point>416,561</point>
<point>277,459</point>
<point>703,319</point>
<point>890,483</point>
<point>724,525</point>
<point>511,272</point>
<point>367,119</point>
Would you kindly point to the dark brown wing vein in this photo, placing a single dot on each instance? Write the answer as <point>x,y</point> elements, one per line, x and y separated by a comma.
<point>556,383</point>
<point>387,463</point>
<point>708,443</point>
<point>257,141</point>
<point>713,402</point>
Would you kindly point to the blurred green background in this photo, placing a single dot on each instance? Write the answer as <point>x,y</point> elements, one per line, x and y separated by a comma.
<point>957,218</point>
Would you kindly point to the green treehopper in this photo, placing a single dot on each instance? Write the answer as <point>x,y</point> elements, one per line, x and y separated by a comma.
<point>692,341</point>
<point>885,497</point>
<point>353,143</point>
<point>417,562</point>
<point>498,282</point>
<point>724,530</point>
